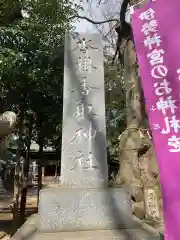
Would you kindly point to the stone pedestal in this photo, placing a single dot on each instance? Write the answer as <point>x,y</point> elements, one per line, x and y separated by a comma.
<point>140,231</point>
<point>63,209</point>
<point>121,234</point>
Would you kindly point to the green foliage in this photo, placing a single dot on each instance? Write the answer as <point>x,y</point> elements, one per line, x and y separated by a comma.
<point>115,105</point>
<point>10,11</point>
<point>32,64</point>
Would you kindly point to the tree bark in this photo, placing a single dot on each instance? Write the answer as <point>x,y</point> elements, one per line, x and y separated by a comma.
<point>40,169</point>
<point>135,141</point>
<point>26,175</point>
<point>41,144</point>
<point>17,180</point>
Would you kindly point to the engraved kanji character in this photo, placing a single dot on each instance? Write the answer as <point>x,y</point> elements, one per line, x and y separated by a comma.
<point>80,160</point>
<point>151,40</point>
<point>79,111</point>
<point>175,143</point>
<point>91,134</point>
<point>163,88</point>
<point>159,71</point>
<point>79,62</point>
<point>90,162</point>
<point>147,15</point>
<point>78,136</point>
<point>82,44</point>
<point>84,64</point>
<point>156,56</point>
<point>164,104</point>
<point>174,123</point>
<point>87,64</point>
<point>149,27</point>
<point>87,164</point>
<point>90,108</point>
<point>84,86</point>
<point>77,160</point>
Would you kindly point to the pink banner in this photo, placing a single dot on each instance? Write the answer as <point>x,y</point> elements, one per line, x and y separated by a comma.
<point>156,29</point>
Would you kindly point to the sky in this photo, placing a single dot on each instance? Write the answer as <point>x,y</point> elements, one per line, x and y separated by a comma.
<point>110,9</point>
<point>83,25</point>
<point>97,13</point>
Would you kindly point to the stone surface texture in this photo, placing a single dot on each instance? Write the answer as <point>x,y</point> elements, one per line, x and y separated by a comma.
<point>84,156</point>
<point>84,209</point>
<point>142,231</point>
<point>128,234</point>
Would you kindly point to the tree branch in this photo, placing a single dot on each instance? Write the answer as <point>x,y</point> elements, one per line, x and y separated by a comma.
<point>100,2</point>
<point>123,11</point>
<point>96,22</point>
<point>122,15</point>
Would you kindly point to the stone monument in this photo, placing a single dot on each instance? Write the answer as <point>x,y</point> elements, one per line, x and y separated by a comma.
<point>83,201</point>
<point>82,206</point>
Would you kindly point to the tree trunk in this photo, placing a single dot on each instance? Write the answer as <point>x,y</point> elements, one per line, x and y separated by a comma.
<point>40,168</point>
<point>41,144</point>
<point>17,180</point>
<point>26,175</point>
<point>135,141</point>
<point>56,168</point>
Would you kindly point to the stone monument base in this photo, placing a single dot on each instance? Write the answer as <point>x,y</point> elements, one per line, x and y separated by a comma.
<point>85,214</point>
<point>30,231</point>
<point>129,234</point>
<point>77,209</point>
<point>119,234</point>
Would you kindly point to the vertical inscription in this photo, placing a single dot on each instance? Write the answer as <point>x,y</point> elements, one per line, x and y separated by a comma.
<point>84,130</point>
<point>152,206</point>
<point>85,161</point>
